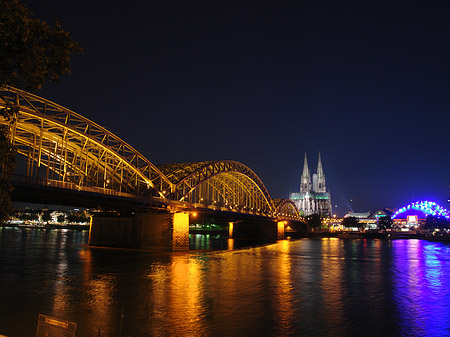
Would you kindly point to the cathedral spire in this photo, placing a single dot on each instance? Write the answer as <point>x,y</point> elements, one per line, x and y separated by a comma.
<point>319,167</point>
<point>305,168</point>
<point>313,198</point>
<point>320,185</point>
<point>305,182</point>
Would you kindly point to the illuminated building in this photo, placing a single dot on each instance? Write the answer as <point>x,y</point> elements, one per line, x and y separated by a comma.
<point>371,219</point>
<point>416,213</point>
<point>312,198</point>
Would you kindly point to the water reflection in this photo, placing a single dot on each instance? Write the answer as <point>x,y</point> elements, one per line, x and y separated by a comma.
<point>327,287</point>
<point>333,285</point>
<point>284,298</point>
<point>422,287</point>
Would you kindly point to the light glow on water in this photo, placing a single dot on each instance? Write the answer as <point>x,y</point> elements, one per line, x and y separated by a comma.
<point>327,287</point>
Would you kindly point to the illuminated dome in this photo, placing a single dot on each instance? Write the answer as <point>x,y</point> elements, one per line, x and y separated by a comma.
<point>422,207</point>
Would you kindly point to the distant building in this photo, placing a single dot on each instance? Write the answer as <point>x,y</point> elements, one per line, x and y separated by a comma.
<point>312,198</point>
<point>55,214</point>
<point>366,215</point>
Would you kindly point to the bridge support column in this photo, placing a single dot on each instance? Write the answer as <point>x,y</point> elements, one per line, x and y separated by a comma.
<point>160,231</point>
<point>180,232</point>
<point>280,226</point>
<point>230,229</point>
<point>264,230</point>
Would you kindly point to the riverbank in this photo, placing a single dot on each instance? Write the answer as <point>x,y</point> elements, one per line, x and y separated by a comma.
<point>49,226</point>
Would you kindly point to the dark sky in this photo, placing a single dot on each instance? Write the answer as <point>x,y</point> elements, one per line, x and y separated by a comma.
<point>263,82</point>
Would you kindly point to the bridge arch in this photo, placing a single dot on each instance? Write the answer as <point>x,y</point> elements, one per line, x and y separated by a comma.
<point>219,183</point>
<point>427,207</point>
<point>73,149</point>
<point>286,207</point>
<point>63,147</point>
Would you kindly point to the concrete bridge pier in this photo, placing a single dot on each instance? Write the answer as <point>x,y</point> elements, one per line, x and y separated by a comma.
<point>265,230</point>
<point>280,230</point>
<point>143,230</point>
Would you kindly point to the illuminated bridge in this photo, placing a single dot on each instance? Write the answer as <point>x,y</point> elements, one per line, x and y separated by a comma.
<point>68,157</point>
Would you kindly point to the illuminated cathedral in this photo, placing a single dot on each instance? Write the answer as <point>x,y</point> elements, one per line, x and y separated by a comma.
<point>313,198</point>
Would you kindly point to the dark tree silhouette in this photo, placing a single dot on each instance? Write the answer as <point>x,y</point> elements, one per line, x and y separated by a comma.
<point>314,221</point>
<point>351,221</point>
<point>32,53</point>
<point>436,222</point>
<point>46,216</point>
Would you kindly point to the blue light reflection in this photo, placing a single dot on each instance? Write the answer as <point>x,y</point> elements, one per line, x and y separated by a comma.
<point>422,287</point>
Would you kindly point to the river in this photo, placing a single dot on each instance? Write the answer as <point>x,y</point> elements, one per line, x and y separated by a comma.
<point>307,287</point>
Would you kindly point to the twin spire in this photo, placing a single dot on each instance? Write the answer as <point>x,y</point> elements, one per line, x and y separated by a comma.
<point>318,178</point>
<point>319,167</point>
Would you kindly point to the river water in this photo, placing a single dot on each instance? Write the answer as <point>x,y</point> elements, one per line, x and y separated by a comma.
<point>308,287</point>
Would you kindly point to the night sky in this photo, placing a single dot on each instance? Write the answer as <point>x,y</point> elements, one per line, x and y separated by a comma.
<point>263,82</point>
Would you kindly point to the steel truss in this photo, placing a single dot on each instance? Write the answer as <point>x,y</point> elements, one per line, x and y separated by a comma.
<point>221,183</point>
<point>286,207</point>
<point>62,146</point>
<point>71,148</point>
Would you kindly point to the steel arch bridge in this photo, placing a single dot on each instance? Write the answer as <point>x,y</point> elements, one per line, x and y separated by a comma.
<point>66,149</point>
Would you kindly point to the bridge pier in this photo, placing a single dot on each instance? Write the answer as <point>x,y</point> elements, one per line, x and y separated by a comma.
<point>264,230</point>
<point>280,230</point>
<point>144,230</point>
<point>230,229</point>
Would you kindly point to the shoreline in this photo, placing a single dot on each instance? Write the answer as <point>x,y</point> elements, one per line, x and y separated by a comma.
<point>49,226</point>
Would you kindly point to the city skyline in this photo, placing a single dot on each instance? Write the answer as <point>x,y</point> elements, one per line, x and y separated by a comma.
<point>365,85</point>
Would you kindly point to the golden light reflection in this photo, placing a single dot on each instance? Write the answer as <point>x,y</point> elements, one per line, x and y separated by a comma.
<point>100,293</point>
<point>332,281</point>
<point>284,289</point>
<point>86,258</point>
<point>230,244</point>
<point>184,296</point>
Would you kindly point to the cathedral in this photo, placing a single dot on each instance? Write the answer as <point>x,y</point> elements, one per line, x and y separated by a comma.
<point>312,199</point>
